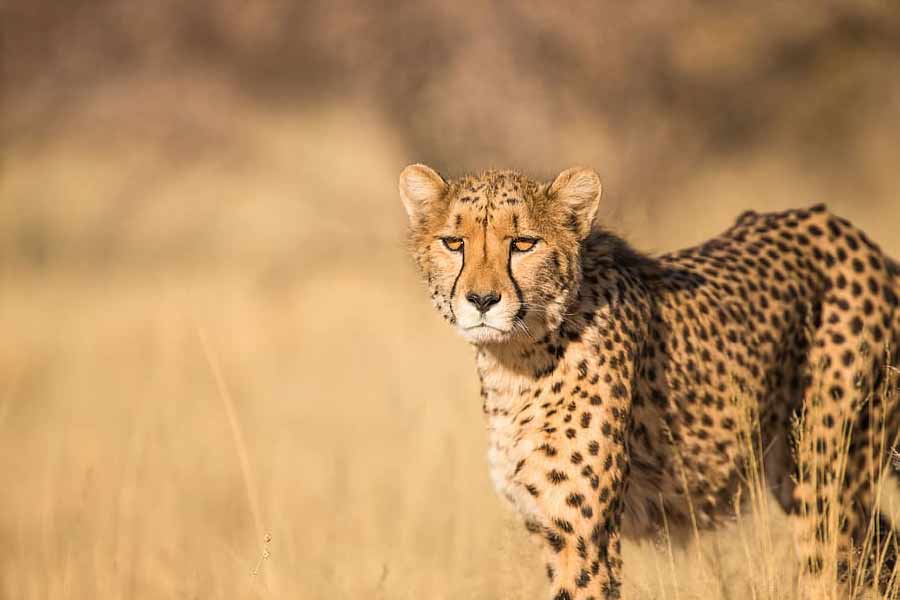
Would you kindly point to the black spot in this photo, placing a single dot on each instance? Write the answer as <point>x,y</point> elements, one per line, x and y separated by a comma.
<point>556,476</point>
<point>556,541</point>
<point>582,548</point>
<point>873,285</point>
<point>574,499</point>
<point>834,228</point>
<point>547,449</point>
<point>847,358</point>
<point>597,536</point>
<point>582,370</point>
<point>604,495</point>
<point>583,579</point>
<point>814,565</point>
<point>564,526</point>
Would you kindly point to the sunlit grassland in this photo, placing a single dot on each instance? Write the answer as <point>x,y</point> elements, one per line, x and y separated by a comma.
<point>234,386</point>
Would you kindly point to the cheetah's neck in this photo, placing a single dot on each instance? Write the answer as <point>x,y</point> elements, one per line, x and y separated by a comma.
<point>502,385</point>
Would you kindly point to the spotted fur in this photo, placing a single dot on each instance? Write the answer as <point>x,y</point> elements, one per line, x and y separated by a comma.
<point>616,386</point>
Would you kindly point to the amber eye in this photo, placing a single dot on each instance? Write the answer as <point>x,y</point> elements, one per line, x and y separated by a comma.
<point>523,244</point>
<point>454,244</point>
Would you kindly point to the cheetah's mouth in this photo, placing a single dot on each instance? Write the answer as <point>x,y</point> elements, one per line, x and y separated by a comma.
<point>485,326</point>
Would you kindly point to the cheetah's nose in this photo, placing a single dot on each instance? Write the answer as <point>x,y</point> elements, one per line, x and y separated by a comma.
<point>483,302</point>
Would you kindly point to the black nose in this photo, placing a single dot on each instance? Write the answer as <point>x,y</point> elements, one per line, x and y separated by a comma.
<point>483,302</point>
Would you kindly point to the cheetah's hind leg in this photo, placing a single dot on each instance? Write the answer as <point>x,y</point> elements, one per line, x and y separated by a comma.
<point>840,449</point>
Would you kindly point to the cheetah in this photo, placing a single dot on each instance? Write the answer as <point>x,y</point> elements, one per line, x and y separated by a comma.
<point>609,378</point>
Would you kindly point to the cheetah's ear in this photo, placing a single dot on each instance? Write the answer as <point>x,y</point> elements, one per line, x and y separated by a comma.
<point>420,186</point>
<point>578,189</point>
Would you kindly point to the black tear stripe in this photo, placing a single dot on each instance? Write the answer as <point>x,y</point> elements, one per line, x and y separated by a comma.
<point>453,288</point>
<point>484,225</point>
<point>522,310</point>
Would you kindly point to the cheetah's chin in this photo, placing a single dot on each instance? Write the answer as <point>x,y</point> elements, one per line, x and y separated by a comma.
<point>483,333</point>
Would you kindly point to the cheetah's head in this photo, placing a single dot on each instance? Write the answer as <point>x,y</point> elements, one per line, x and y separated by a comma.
<point>500,252</point>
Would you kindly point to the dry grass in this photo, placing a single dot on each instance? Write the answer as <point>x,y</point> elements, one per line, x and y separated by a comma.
<point>219,377</point>
<point>200,431</point>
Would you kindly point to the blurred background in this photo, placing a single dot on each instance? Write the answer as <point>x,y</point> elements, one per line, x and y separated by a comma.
<point>219,374</point>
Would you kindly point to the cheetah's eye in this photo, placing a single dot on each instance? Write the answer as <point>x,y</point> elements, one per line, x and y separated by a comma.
<point>453,244</point>
<point>523,244</point>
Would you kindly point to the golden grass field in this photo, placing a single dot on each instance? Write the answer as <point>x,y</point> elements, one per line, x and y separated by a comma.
<point>220,377</point>
<point>162,420</point>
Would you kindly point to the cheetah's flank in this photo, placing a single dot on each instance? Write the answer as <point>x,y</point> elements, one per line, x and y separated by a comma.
<point>609,378</point>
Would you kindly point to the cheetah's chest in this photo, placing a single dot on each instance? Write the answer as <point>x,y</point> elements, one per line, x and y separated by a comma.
<point>510,445</point>
<point>506,449</point>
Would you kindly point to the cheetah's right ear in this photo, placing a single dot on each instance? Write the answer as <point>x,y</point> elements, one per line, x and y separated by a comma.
<point>420,186</point>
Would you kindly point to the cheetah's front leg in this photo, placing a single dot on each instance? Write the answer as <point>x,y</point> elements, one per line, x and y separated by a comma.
<point>583,555</point>
<point>580,502</point>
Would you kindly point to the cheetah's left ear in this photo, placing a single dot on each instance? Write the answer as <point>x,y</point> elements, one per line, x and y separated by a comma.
<point>578,189</point>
